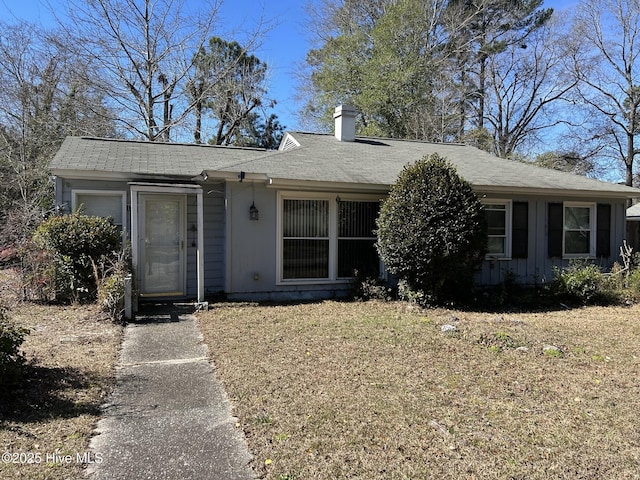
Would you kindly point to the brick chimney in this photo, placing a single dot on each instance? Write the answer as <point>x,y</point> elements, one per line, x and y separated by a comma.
<point>345,123</point>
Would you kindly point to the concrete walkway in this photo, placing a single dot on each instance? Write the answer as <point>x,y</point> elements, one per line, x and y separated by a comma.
<point>169,417</point>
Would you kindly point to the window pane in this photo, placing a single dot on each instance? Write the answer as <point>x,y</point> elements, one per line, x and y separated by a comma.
<point>496,206</point>
<point>357,219</point>
<point>495,245</point>
<point>577,218</point>
<point>496,222</point>
<point>305,218</point>
<point>358,255</point>
<point>107,206</point>
<point>305,259</point>
<point>577,242</point>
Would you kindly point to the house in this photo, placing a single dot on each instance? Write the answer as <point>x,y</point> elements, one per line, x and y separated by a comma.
<point>633,227</point>
<point>294,223</point>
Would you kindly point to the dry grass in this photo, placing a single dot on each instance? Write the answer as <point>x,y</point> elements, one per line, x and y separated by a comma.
<point>373,390</point>
<point>72,352</point>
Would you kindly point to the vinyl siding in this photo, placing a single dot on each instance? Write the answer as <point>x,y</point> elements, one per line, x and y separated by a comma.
<point>538,266</point>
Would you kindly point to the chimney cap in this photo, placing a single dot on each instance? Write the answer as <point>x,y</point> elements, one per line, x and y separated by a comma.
<point>349,110</point>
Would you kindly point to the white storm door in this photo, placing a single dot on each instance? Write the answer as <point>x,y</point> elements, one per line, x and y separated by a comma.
<point>162,256</point>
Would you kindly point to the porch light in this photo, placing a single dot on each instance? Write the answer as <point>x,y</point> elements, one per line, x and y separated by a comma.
<point>253,212</point>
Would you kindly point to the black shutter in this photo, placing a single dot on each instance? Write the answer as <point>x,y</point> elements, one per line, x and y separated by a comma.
<point>603,231</point>
<point>520,230</point>
<point>555,228</point>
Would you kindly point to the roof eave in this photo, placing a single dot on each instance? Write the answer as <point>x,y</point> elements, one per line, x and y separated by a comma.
<point>314,185</point>
<point>74,174</point>
<point>559,192</point>
<point>485,189</point>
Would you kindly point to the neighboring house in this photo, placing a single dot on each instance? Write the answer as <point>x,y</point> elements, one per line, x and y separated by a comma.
<point>633,227</point>
<point>295,223</point>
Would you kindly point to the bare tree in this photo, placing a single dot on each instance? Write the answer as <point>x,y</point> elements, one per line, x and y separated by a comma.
<point>40,103</point>
<point>143,55</point>
<point>526,83</point>
<point>608,70</point>
<point>488,28</point>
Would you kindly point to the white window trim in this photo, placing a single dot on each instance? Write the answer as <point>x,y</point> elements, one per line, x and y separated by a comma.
<point>508,229</point>
<point>592,230</point>
<point>332,198</point>
<point>102,193</point>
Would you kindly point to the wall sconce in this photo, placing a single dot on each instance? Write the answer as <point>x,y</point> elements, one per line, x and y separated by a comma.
<point>254,214</point>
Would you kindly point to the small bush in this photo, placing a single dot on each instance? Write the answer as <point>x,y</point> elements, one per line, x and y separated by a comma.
<point>633,282</point>
<point>408,294</point>
<point>37,272</point>
<point>111,296</point>
<point>370,288</point>
<point>582,282</point>
<point>61,259</point>
<point>111,285</point>
<point>12,361</point>
<point>617,278</point>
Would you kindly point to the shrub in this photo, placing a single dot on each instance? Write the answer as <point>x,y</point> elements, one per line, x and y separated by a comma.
<point>432,232</point>
<point>12,361</point>
<point>71,246</point>
<point>408,294</point>
<point>111,285</point>
<point>111,295</point>
<point>633,282</point>
<point>38,273</point>
<point>371,288</point>
<point>579,281</point>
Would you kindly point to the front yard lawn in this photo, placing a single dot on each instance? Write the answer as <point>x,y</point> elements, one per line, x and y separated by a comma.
<point>379,391</point>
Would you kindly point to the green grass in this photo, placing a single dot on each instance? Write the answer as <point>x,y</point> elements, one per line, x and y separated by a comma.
<point>376,390</point>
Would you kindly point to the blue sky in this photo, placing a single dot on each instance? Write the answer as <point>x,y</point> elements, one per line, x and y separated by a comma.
<point>284,47</point>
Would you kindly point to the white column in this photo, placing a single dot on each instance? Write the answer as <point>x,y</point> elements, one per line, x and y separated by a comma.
<point>200,252</point>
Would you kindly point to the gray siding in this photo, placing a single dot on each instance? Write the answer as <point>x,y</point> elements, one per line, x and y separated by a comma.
<point>214,245</point>
<point>252,244</point>
<point>538,266</point>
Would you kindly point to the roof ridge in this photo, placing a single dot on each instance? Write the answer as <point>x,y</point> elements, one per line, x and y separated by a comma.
<point>367,137</point>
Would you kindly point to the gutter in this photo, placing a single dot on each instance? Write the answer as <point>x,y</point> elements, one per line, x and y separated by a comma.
<point>320,186</point>
<point>623,193</point>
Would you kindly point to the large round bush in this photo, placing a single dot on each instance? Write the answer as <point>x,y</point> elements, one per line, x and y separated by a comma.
<point>76,244</point>
<point>432,231</point>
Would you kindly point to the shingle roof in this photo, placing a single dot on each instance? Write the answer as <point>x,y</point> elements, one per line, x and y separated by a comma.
<point>633,212</point>
<point>322,158</point>
<point>147,158</point>
<point>379,161</point>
